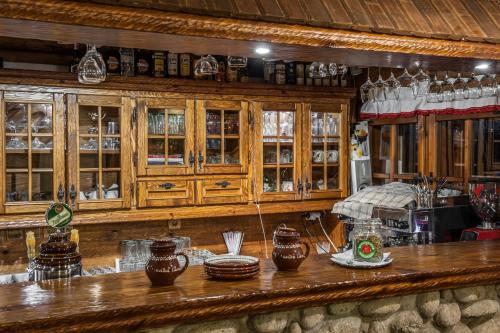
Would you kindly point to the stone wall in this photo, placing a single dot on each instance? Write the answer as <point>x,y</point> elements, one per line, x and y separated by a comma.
<point>466,310</point>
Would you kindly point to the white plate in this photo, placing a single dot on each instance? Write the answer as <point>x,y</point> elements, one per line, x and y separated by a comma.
<point>346,259</point>
<point>223,259</point>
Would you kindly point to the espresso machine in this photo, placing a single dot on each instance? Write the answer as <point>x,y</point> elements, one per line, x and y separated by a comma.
<point>485,199</point>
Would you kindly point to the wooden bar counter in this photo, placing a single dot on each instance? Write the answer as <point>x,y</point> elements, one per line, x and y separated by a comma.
<point>127,302</point>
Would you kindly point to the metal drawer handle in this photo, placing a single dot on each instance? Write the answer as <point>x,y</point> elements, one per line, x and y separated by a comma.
<point>223,184</point>
<point>167,186</point>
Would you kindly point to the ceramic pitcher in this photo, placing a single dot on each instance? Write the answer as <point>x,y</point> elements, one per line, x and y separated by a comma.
<point>163,266</point>
<point>287,252</point>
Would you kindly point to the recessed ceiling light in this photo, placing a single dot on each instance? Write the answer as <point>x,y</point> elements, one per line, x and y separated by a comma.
<point>262,50</point>
<point>482,66</point>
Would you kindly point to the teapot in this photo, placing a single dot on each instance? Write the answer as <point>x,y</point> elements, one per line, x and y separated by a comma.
<point>163,266</point>
<point>287,252</point>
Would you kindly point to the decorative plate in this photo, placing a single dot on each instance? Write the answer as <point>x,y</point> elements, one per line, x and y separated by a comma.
<point>346,259</point>
<point>231,261</point>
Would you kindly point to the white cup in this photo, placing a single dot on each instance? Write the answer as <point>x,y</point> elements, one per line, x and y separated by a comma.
<point>333,156</point>
<point>318,156</point>
<point>82,196</point>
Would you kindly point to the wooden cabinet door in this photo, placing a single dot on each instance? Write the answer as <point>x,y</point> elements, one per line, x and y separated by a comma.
<point>165,192</point>
<point>222,137</point>
<point>165,130</point>
<point>222,190</point>
<point>278,133</point>
<point>32,148</point>
<point>325,150</point>
<point>99,151</point>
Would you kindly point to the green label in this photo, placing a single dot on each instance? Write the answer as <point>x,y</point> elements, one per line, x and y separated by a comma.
<point>366,249</point>
<point>58,215</point>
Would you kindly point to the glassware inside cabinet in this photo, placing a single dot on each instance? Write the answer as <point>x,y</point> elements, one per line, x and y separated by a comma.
<point>223,137</point>
<point>278,129</point>
<point>407,149</point>
<point>100,152</point>
<point>450,145</point>
<point>485,147</point>
<point>29,152</point>
<point>166,136</point>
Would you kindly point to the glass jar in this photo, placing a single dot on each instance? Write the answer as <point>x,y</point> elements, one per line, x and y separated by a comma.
<point>367,240</point>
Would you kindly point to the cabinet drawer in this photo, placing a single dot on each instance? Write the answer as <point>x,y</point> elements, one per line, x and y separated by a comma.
<point>165,192</point>
<point>222,190</point>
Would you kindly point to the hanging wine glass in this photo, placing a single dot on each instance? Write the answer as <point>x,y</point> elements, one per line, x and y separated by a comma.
<point>420,83</point>
<point>434,94</point>
<point>237,62</point>
<point>318,70</point>
<point>447,89</point>
<point>473,87</point>
<point>92,68</point>
<point>488,86</point>
<point>406,85</point>
<point>380,87</point>
<point>367,90</point>
<point>392,86</point>
<point>206,65</point>
<point>460,88</point>
<point>332,69</point>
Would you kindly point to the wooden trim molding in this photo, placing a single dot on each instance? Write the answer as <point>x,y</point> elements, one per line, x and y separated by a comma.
<point>145,20</point>
<point>96,307</point>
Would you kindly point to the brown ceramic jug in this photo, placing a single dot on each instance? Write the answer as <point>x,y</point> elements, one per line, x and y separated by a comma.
<point>288,253</point>
<point>163,266</point>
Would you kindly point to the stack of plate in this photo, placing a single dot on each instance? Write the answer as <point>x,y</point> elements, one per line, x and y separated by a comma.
<point>231,267</point>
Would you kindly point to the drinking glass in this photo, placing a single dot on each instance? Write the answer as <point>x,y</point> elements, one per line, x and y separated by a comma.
<point>473,87</point>
<point>332,69</point>
<point>420,83</point>
<point>460,88</point>
<point>392,86</point>
<point>434,94</point>
<point>380,88</point>
<point>367,90</point>
<point>318,70</point>
<point>92,68</point>
<point>343,69</point>
<point>488,85</point>
<point>406,85</point>
<point>447,89</point>
<point>237,62</point>
<point>206,65</point>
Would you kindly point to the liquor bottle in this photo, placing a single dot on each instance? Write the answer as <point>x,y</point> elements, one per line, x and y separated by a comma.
<point>127,63</point>
<point>195,76</point>
<point>269,70</point>
<point>221,72</point>
<point>173,64</point>
<point>112,59</point>
<point>280,73</point>
<point>185,65</point>
<point>291,77</point>
<point>299,72</point>
<point>335,80</point>
<point>231,74</point>
<point>158,64</point>
<point>309,79</point>
<point>73,67</point>
<point>344,79</point>
<point>143,62</point>
<point>243,75</point>
<point>326,81</point>
<point>318,81</point>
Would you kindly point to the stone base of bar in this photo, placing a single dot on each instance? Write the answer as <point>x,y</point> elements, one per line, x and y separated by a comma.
<point>465,310</point>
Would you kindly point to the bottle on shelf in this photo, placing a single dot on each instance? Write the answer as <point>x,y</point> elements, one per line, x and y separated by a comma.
<point>291,77</point>
<point>309,79</point>
<point>280,73</point>
<point>221,71</point>
<point>143,62</point>
<point>159,61</point>
<point>299,73</point>
<point>127,63</point>
<point>185,65</point>
<point>231,73</point>
<point>173,64</point>
<point>73,67</point>
<point>243,75</point>
<point>326,82</point>
<point>112,59</point>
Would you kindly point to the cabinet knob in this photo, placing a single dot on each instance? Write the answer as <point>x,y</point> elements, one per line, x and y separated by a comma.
<point>300,187</point>
<point>223,184</point>
<point>191,158</point>
<point>308,185</point>
<point>60,193</point>
<point>167,186</point>
<point>200,160</point>
<point>72,194</point>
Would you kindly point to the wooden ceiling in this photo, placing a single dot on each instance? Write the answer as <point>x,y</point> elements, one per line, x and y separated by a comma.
<point>472,20</point>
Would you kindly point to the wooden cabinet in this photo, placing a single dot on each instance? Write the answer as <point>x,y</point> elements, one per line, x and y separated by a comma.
<point>325,152</point>
<point>165,137</point>
<point>278,153</point>
<point>161,192</point>
<point>222,137</point>
<point>99,153</point>
<point>32,148</point>
<point>222,190</point>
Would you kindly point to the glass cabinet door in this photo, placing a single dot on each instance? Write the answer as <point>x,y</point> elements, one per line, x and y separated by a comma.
<point>33,161</point>
<point>99,151</point>
<point>222,131</point>
<point>380,153</point>
<point>166,137</point>
<point>485,148</point>
<point>450,149</point>
<point>324,150</point>
<point>278,129</point>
